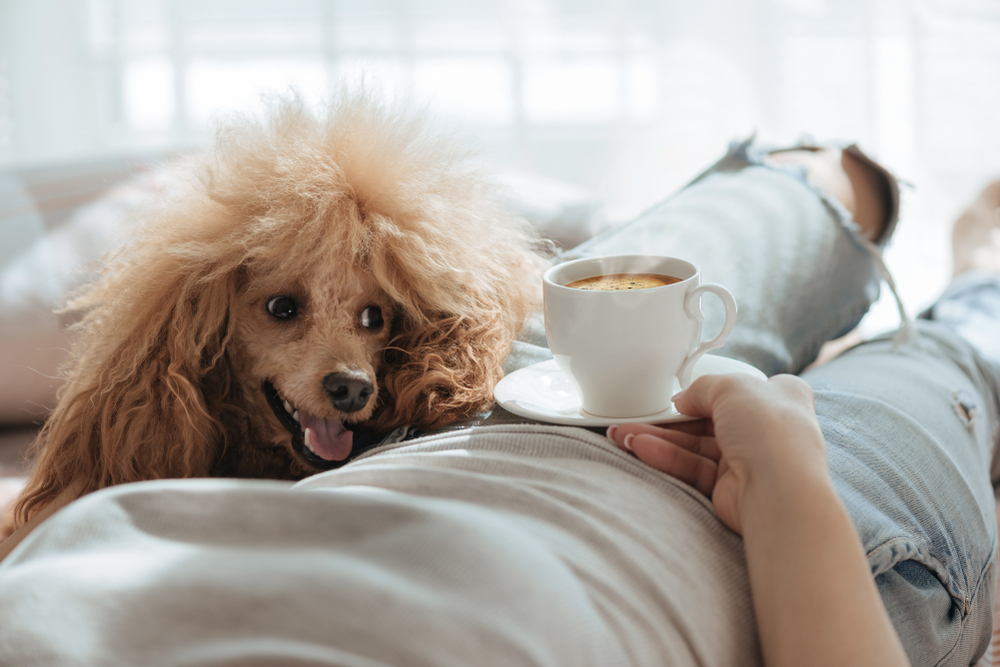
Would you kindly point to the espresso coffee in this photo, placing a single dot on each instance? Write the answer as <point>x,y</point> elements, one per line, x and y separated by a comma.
<point>618,282</point>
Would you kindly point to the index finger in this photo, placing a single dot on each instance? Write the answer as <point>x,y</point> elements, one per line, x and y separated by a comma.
<point>702,427</point>
<point>695,442</point>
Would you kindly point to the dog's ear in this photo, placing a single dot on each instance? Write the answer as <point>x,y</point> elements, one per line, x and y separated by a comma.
<point>453,332</point>
<point>146,387</point>
<point>443,370</point>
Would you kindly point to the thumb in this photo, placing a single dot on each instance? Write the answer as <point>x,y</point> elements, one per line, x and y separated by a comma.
<point>702,397</point>
<point>697,399</point>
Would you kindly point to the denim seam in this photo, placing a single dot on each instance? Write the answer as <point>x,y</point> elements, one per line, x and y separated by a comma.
<point>922,555</point>
<point>970,602</point>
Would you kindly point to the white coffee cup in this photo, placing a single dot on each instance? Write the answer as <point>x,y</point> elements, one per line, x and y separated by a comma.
<point>623,349</point>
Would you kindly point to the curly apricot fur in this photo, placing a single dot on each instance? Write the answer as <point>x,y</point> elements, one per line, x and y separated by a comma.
<point>161,377</point>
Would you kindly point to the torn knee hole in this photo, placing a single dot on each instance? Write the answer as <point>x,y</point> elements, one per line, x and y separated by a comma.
<point>965,406</point>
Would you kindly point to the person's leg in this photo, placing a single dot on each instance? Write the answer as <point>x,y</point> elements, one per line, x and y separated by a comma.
<point>779,231</point>
<point>910,433</point>
<point>970,303</point>
<point>976,235</point>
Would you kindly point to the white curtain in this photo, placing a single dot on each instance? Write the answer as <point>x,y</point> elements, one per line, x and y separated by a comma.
<point>629,98</point>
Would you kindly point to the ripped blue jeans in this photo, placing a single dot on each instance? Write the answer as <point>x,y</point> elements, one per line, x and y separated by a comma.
<point>910,428</point>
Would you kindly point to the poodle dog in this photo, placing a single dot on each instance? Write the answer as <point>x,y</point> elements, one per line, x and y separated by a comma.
<point>315,284</point>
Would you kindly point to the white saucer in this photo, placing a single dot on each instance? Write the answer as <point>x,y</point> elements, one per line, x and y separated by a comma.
<point>542,392</point>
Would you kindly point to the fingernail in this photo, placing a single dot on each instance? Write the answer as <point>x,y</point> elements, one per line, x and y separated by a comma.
<point>611,431</point>
<point>627,442</point>
<point>673,399</point>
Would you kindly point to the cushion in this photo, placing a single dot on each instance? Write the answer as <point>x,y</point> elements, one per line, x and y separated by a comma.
<point>55,222</point>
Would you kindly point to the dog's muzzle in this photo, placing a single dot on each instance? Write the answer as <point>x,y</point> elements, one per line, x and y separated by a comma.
<point>322,443</point>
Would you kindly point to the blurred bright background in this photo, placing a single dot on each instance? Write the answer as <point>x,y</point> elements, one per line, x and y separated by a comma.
<point>628,99</point>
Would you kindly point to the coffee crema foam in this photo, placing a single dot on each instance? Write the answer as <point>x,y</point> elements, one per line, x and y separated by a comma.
<point>619,282</point>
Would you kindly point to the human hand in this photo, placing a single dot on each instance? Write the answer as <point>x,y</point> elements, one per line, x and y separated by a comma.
<point>752,438</point>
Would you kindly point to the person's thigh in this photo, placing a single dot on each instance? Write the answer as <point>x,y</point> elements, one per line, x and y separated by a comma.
<point>909,433</point>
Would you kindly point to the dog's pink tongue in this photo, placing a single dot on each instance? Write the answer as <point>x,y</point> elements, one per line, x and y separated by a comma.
<point>329,438</point>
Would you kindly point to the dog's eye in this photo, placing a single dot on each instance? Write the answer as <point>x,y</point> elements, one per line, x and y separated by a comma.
<point>371,317</point>
<point>282,307</point>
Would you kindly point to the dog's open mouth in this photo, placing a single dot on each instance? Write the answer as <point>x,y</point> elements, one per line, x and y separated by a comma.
<point>323,443</point>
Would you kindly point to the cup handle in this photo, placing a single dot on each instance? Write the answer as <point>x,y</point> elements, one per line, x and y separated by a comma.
<point>692,306</point>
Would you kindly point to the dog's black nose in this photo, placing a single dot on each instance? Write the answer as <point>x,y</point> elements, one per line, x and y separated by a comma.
<point>349,391</point>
